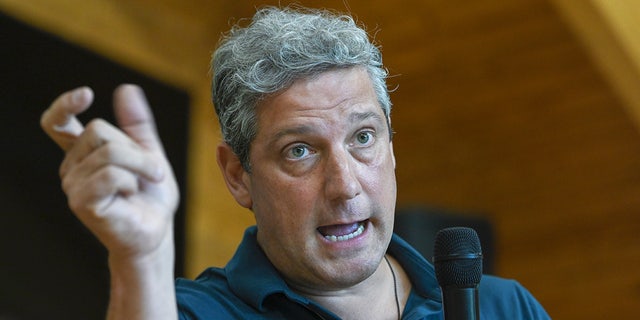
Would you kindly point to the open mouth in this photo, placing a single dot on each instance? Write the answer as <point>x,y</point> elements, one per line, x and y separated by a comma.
<point>342,232</point>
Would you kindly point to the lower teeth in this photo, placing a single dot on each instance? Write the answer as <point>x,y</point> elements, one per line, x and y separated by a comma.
<point>346,236</point>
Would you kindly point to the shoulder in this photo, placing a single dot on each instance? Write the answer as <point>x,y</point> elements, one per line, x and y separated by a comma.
<point>507,299</point>
<point>209,297</point>
<point>202,296</point>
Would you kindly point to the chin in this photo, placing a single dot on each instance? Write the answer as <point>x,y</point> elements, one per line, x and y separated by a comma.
<point>355,271</point>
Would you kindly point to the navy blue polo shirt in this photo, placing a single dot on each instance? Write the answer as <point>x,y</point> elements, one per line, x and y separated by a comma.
<point>249,287</point>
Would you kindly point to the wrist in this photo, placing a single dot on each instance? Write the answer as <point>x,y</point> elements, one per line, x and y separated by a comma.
<point>142,285</point>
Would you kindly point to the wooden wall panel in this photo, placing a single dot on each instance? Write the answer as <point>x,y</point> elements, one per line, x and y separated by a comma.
<point>499,110</point>
<point>609,31</point>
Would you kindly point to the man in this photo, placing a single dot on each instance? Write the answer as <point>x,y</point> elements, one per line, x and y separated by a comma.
<point>305,115</point>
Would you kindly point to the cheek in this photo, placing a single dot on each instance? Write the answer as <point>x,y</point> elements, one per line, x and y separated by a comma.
<point>381,184</point>
<point>285,223</point>
<point>382,174</point>
<point>281,203</point>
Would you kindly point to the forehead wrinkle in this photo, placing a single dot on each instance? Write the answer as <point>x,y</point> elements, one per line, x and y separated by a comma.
<point>297,130</point>
<point>361,116</point>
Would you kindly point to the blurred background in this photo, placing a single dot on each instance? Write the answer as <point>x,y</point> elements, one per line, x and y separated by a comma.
<point>520,114</point>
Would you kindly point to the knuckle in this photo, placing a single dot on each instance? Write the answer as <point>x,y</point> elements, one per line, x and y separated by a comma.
<point>67,185</point>
<point>77,206</point>
<point>109,151</point>
<point>116,179</point>
<point>100,133</point>
<point>105,178</point>
<point>96,125</point>
<point>108,175</point>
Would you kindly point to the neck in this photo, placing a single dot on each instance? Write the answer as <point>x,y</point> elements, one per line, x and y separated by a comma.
<point>377,297</point>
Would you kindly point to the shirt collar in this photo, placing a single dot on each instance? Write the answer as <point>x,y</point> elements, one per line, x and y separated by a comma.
<point>251,275</point>
<point>420,271</point>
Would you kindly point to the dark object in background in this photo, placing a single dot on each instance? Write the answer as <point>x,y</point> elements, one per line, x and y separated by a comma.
<point>419,225</point>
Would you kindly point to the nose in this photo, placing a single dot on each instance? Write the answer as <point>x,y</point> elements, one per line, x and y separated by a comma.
<point>341,177</point>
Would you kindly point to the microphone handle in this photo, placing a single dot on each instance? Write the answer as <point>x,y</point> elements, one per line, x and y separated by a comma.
<point>461,303</point>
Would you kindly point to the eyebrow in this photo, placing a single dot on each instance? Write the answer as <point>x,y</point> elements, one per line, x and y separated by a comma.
<point>305,129</point>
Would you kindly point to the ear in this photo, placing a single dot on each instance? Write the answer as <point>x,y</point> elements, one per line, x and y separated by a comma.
<point>236,178</point>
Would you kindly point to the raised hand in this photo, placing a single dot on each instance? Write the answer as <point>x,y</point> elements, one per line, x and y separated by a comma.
<point>120,185</point>
<point>118,182</point>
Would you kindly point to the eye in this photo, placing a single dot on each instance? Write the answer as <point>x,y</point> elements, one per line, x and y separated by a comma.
<point>298,152</point>
<point>364,138</point>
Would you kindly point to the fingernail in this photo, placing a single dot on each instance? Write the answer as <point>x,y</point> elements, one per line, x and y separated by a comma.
<point>61,127</point>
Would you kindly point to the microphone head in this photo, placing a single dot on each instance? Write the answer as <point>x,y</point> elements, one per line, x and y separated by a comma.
<point>457,257</point>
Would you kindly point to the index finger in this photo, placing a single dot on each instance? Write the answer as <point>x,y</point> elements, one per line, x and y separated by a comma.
<point>59,121</point>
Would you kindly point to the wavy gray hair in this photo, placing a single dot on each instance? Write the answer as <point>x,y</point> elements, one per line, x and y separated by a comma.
<point>278,47</point>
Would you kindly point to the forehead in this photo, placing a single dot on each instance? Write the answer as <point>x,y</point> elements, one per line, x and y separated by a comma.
<point>341,94</point>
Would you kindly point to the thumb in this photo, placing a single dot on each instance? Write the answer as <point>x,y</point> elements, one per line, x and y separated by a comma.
<point>135,118</point>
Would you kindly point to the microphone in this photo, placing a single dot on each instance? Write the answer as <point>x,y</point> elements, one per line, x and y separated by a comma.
<point>457,258</point>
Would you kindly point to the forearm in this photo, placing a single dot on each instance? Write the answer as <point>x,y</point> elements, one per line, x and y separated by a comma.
<point>143,288</point>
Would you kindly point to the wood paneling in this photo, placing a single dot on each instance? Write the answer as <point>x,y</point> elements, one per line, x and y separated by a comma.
<point>499,110</point>
<point>609,30</point>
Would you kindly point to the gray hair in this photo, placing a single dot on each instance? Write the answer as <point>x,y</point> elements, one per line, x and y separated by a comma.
<point>278,47</point>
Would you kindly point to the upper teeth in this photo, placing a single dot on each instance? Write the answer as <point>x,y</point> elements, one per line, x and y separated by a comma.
<point>356,233</point>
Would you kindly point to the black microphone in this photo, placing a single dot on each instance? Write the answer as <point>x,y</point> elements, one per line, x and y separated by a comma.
<point>457,257</point>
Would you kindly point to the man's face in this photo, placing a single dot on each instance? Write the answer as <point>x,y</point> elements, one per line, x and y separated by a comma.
<point>322,184</point>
